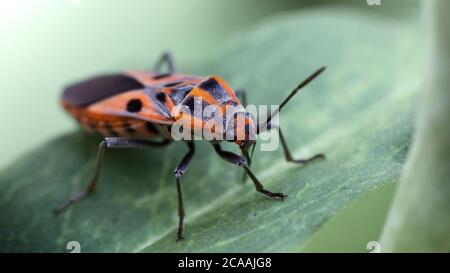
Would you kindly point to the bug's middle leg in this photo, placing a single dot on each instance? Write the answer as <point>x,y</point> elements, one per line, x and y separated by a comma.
<point>241,162</point>
<point>109,142</point>
<point>179,171</point>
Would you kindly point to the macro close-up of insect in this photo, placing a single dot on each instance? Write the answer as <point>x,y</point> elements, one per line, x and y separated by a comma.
<point>132,108</point>
<point>230,128</point>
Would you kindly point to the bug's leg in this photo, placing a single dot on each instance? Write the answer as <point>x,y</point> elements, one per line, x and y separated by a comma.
<point>179,171</point>
<point>244,173</point>
<point>287,153</point>
<point>109,142</point>
<point>288,156</point>
<point>241,162</point>
<point>242,95</point>
<point>167,59</point>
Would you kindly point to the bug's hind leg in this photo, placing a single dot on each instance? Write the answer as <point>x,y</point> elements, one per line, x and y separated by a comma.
<point>241,162</point>
<point>92,184</point>
<point>166,58</point>
<point>179,171</point>
<point>109,142</point>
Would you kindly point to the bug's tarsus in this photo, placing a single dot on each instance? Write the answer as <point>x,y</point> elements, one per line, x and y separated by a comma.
<point>241,162</point>
<point>179,171</point>
<point>289,97</point>
<point>75,199</point>
<point>166,58</point>
<point>109,142</point>
<point>260,188</point>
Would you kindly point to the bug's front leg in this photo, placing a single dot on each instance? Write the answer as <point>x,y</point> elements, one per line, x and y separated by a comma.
<point>109,142</point>
<point>287,153</point>
<point>241,162</point>
<point>179,171</point>
<point>242,95</point>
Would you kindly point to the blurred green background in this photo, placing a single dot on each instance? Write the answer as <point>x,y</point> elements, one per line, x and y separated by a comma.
<point>46,44</point>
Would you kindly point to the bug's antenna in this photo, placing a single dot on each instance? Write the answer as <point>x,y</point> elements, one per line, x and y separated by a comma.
<point>292,94</point>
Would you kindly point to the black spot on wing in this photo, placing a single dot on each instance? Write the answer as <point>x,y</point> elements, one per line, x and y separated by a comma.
<point>99,88</point>
<point>159,106</point>
<point>134,105</point>
<point>161,97</point>
<point>216,90</point>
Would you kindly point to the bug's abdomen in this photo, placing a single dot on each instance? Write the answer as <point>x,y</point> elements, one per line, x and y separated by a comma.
<point>114,126</point>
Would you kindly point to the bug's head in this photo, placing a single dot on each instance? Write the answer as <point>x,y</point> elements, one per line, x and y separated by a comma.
<point>242,130</point>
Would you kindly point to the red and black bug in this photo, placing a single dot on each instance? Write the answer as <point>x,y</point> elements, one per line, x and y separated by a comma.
<point>132,108</point>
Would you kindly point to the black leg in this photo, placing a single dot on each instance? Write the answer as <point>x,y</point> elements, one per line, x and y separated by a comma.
<point>242,95</point>
<point>179,171</point>
<point>245,155</point>
<point>287,153</point>
<point>288,156</point>
<point>241,162</point>
<point>109,142</point>
<point>167,59</point>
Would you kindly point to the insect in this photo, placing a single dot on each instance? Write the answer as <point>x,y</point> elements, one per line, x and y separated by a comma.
<point>134,109</point>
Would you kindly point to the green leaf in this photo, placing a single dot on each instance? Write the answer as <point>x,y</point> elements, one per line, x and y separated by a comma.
<point>359,113</point>
<point>419,217</point>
